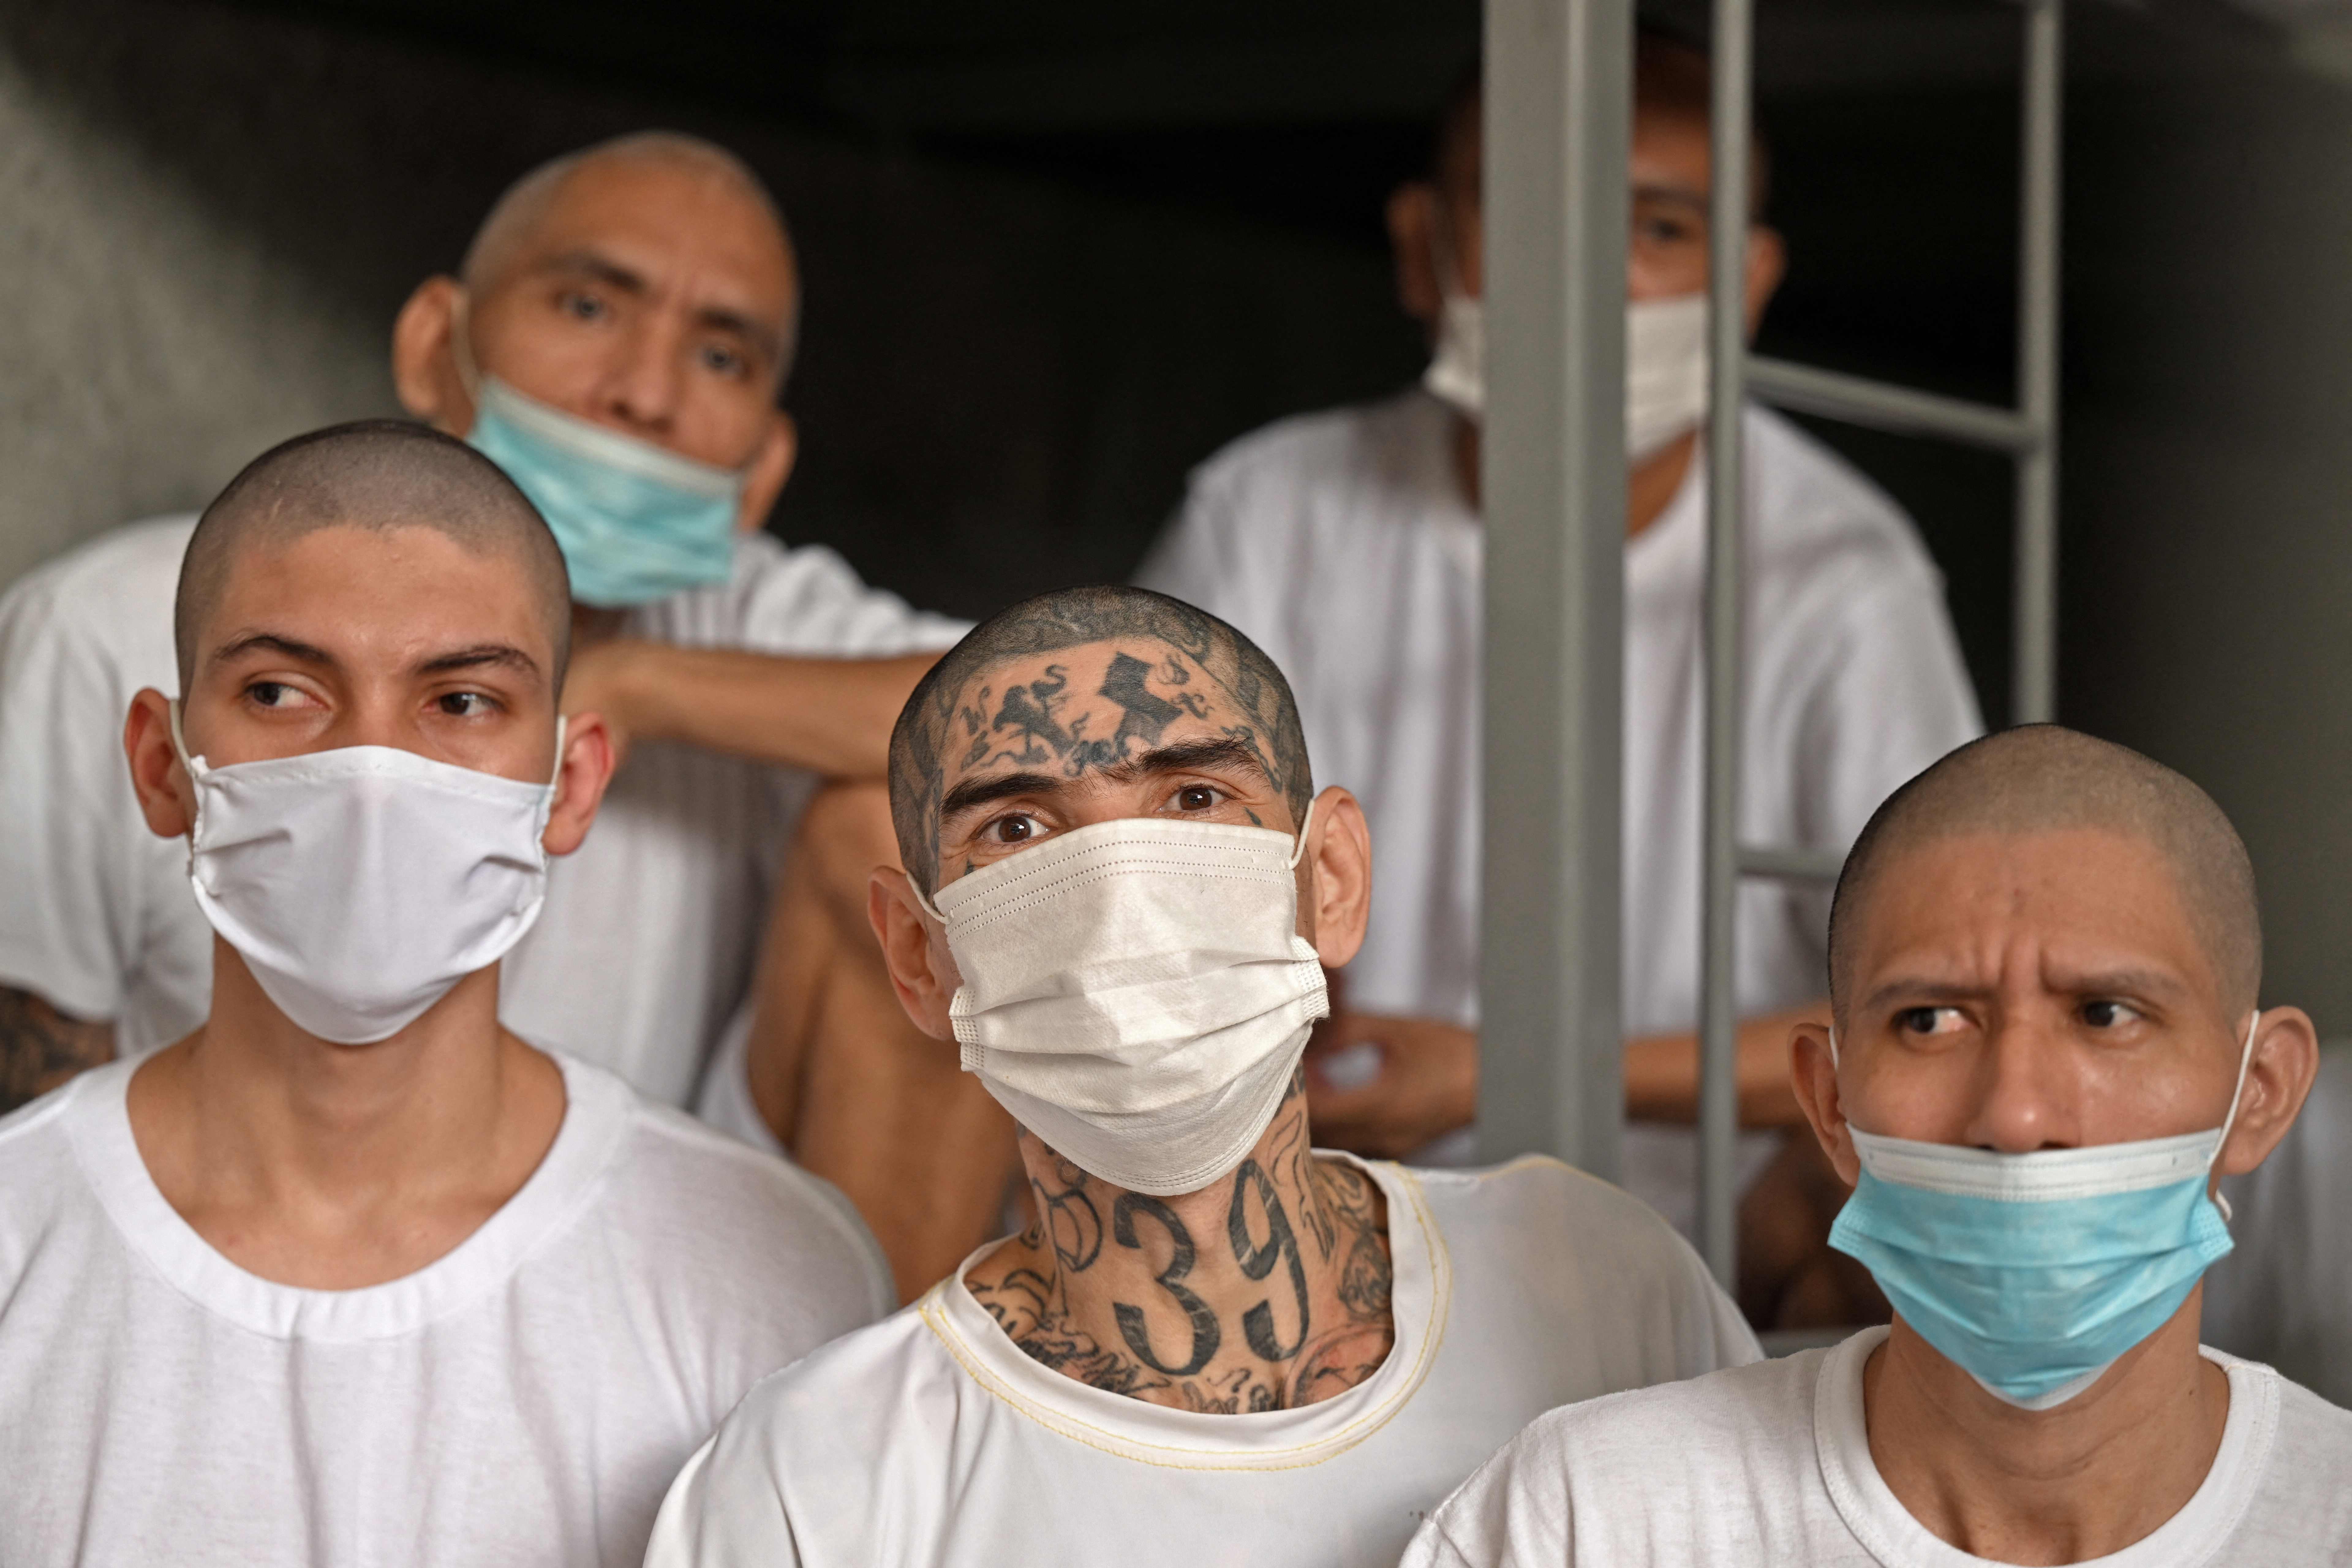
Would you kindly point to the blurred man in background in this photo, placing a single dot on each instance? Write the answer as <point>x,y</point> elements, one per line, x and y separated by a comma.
<point>1347,544</point>
<point>615,340</point>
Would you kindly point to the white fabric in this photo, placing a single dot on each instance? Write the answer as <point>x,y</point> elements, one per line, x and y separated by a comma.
<point>522,1400</point>
<point>361,883</point>
<point>1342,544</point>
<point>1770,1464</point>
<point>645,947</point>
<point>1136,992</point>
<point>931,1438</point>
<point>2284,1293</point>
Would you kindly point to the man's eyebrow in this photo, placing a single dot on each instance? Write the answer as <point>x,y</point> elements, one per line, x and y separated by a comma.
<point>270,642</point>
<point>603,269</point>
<point>474,658</point>
<point>972,793</point>
<point>1194,756</point>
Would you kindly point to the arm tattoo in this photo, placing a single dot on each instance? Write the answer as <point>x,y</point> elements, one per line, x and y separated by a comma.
<point>40,1047</point>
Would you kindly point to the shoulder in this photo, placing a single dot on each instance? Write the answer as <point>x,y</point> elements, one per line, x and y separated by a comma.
<point>1647,1451</point>
<point>1310,451</point>
<point>1551,1205</point>
<point>800,600</point>
<point>112,588</point>
<point>711,1214</point>
<point>1817,514</point>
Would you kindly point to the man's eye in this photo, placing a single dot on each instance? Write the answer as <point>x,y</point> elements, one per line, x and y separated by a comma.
<point>1927,1020</point>
<point>464,704</point>
<point>1197,798</point>
<point>1015,829</point>
<point>2107,1014</point>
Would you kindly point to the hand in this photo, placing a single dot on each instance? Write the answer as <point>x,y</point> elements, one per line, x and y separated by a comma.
<point>605,677</point>
<point>1386,1086</point>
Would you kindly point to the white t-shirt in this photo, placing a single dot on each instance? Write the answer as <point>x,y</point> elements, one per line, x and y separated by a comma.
<point>1769,1466</point>
<point>645,946</point>
<point>2284,1294</point>
<point>931,1438</point>
<point>1341,543</point>
<point>524,1399</point>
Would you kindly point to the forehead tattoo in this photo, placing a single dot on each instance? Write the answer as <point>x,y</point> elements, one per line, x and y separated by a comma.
<point>1168,660</point>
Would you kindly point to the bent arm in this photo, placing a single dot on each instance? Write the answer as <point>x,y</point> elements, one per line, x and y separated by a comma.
<point>829,716</point>
<point>1661,1072</point>
<point>40,1047</point>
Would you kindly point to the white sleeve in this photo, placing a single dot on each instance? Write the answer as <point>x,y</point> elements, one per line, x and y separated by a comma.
<point>705,1523</point>
<point>70,917</point>
<point>809,603</point>
<point>1893,696</point>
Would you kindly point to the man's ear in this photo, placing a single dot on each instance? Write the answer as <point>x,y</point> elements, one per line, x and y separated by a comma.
<point>1412,234</point>
<point>2279,1074</point>
<point>1814,1077</point>
<point>1338,881</point>
<point>424,357</point>
<point>581,773</point>
<point>770,467</point>
<point>167,796</point>
<point>1767,263</point>
<point>914,949</point>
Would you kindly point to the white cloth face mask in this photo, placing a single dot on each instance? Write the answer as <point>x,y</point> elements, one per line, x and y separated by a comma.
<point>1665,367</point>
<point>361,884</point>
<point>1136,993</point>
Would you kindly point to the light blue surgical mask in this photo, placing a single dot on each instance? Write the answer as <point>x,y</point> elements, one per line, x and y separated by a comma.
<point>635,522</point>
<point>2035,1273</point>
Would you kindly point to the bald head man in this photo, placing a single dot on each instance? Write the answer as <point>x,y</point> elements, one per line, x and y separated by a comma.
<point>614,341</point>
<point>298,1284</point>
<point>2047,1048</point>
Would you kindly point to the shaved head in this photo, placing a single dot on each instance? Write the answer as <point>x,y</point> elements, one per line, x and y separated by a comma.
<point>504,238</point>
<point>940,721</point>
<point>374,474</point>
<point>2041,778</point>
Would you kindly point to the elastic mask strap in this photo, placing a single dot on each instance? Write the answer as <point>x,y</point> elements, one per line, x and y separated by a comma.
<point>180,745</point>
<point>2245,1059</point>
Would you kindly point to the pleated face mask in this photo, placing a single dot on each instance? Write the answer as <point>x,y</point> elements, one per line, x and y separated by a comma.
<point>361,884</point>
<point>1136,993</point>
<point>2036,1272</point>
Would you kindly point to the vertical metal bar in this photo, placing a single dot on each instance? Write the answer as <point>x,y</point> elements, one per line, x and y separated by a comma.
<point>2034,683</point>
<point>1719,1087</point>
<point>1557,117</point>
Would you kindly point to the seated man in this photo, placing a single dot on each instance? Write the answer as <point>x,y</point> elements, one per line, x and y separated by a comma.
<point>351,1275</point>
<point>2045,961</point>
<point>1214,1344</point>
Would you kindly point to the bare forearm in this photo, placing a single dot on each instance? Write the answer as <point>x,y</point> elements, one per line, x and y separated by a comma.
<point>1661,1072</point>
<point>831,716</point>
<point>40,1047</point>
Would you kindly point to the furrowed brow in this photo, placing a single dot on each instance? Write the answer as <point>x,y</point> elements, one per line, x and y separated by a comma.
<point>972,793</point>
<point>502,654</point>
<point>270,642</point>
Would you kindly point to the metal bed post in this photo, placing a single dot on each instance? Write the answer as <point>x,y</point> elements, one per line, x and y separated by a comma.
<point>1557,126</point>
<point>2029,433</point>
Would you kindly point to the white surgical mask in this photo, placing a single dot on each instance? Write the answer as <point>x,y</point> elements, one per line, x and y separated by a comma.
<point>1665,367</point>
<point>361,884</point>
<point>1136,993</point>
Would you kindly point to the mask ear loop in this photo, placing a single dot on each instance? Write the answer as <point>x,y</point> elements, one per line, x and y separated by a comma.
<point>2245,1060</point>
<point>1298,853</point>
